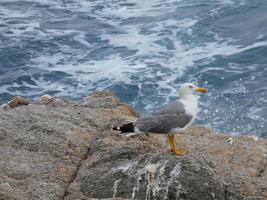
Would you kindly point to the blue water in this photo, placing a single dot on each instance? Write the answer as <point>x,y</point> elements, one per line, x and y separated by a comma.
<point>143,51</point>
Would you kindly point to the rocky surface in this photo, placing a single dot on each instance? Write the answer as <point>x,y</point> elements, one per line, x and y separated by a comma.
<point>58,149</point>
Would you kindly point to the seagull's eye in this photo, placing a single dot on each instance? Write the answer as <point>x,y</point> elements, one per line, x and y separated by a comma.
<point>190,86</point>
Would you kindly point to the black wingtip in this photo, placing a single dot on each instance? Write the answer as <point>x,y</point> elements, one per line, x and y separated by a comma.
<point>116,128</point>
<point>126,128</point>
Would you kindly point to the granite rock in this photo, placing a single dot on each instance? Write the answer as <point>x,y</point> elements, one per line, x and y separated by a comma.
<point>53,148</point>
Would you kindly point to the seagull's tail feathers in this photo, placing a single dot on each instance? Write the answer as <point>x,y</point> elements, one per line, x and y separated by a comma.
<point>126,128</point>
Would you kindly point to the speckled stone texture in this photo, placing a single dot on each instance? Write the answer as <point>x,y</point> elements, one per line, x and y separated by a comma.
<point>58,149</point>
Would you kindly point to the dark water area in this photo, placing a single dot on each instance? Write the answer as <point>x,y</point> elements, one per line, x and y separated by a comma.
<point>142,51</point>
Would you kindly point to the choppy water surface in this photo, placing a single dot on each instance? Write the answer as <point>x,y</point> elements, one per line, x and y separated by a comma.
<point>143,51</point>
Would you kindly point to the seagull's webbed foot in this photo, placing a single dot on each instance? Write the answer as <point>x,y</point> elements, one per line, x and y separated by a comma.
<point>178,152</point>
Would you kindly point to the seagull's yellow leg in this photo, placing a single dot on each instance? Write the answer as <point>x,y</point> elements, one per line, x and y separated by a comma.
<point>178,152</point>
<point>170,141</point>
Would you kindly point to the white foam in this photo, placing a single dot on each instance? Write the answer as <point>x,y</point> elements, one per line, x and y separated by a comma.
<point>138,8</point>
<point>151,28</point>
<point>115,68</point>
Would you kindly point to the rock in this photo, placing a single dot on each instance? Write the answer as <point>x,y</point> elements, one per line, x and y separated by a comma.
<point>137,170</point>
<point>45,99</point>
<point>5,106</point>
<point>52,101</point>
<point>18,101</point>
<point>6,191</point>
<point>59,149</point>
<point>108,100</point>
<point>101,100</point>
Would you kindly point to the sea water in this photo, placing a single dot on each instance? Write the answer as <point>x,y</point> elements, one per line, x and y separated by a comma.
<point>143,51</point>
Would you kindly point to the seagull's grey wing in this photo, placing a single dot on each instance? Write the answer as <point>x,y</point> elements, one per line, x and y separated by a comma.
<point>174,107</point>
<point>162,123</point>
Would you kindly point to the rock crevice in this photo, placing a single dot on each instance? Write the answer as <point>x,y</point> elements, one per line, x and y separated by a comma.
<point>76,171</point>
<point>59,149</point>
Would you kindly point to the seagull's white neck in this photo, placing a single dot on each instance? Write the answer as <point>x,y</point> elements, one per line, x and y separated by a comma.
<point>191,103</point>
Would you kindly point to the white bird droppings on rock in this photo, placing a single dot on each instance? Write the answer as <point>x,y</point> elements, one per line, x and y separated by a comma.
<point>230,140</point>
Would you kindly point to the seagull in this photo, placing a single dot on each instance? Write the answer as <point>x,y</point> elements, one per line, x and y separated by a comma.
<point>172,118</point>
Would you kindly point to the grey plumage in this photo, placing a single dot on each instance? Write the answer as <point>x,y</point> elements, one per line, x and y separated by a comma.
<point>165,119</point>
<point>174,107</point>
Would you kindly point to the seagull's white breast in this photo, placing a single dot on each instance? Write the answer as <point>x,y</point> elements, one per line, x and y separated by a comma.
<point>190,104</point>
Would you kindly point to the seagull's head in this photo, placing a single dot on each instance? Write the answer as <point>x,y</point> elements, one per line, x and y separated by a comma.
<point>190,88</point>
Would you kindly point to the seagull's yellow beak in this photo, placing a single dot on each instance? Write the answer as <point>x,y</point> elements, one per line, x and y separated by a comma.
<point>201,90</point>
